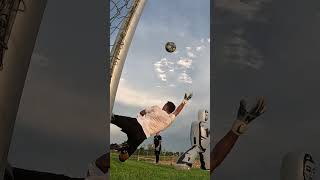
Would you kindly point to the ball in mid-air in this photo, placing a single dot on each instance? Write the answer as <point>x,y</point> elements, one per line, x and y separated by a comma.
<point>170,47</point>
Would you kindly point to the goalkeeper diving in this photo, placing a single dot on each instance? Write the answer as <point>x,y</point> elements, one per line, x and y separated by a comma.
<point>148,122</point>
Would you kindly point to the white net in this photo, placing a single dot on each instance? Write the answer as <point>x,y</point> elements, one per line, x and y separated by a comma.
<point>120,12</point>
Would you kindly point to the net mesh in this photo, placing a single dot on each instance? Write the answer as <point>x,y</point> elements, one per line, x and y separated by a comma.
<point>8,10</point>
<point>120,13</point>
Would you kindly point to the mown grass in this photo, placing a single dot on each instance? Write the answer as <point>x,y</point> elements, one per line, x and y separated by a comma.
<point>137,170</point>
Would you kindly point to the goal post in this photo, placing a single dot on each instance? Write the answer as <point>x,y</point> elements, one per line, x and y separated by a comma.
<point>126,25</point>
<point>19,33</point>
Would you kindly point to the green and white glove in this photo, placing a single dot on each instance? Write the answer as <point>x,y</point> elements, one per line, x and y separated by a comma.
<point>187,97</point>
<point>244,117</point>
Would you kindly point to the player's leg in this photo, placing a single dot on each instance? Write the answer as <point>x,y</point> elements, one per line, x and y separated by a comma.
<point>126,124</point>
<point>123,122</point>
<point>136,136</point>
<point>157,156</point>
<point>132,145</point>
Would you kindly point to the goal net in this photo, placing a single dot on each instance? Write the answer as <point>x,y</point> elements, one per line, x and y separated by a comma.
<point>124,17</point>
<point>119,12</point>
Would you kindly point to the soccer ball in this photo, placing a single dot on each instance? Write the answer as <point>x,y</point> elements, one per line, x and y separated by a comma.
<point>170,47</point>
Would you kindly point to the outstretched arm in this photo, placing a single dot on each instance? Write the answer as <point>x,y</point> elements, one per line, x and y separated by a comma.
<point>179,109</point>
<point>244,117</point>
<point>222,149</point>
<point>187,97</point>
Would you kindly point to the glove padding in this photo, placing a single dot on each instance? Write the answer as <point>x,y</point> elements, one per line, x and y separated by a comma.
<point>244,117</point>
<point>187,97</point>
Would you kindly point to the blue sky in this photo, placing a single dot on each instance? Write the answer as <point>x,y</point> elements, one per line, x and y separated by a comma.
<point>152,76</point>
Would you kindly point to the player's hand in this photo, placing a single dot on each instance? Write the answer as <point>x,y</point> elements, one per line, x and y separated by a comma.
<point>244,117</point>
<point>187,96</point>
<point>254,112</point>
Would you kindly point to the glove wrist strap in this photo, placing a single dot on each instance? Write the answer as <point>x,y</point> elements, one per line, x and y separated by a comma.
<point>239,127</point>
<point>184,101</point>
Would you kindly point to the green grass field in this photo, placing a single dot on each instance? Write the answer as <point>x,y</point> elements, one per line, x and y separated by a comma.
<point>137,170</point>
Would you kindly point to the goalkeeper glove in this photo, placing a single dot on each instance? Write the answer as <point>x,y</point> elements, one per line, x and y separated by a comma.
<point>187,97</point>
<point>244,117</point>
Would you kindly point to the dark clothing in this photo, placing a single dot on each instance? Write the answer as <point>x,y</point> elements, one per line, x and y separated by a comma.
<point>156,141</point>
<point>157,155</point>
<point>133,129</point>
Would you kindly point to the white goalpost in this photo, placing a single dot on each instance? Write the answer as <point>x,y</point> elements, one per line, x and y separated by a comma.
<point>124,17</point>
<point>19,24</point>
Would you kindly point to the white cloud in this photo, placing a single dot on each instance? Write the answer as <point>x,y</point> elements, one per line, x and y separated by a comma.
<point>163,63</point>
<point>185,63</point>
<point>208,40</point>
<point>191,55</point>
<point>163,77</point>
<point>239,50</point>
<point>188,48</point>
<point>159,70</point>
<point>202,40</point>
<point>199,48</point>
<point>162,67</point>
<point>185,78</point>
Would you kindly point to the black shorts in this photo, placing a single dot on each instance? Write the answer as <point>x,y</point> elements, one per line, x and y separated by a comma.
<point>133,129</point>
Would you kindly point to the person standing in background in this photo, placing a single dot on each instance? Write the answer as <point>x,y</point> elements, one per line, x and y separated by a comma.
<point>157,146</point>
